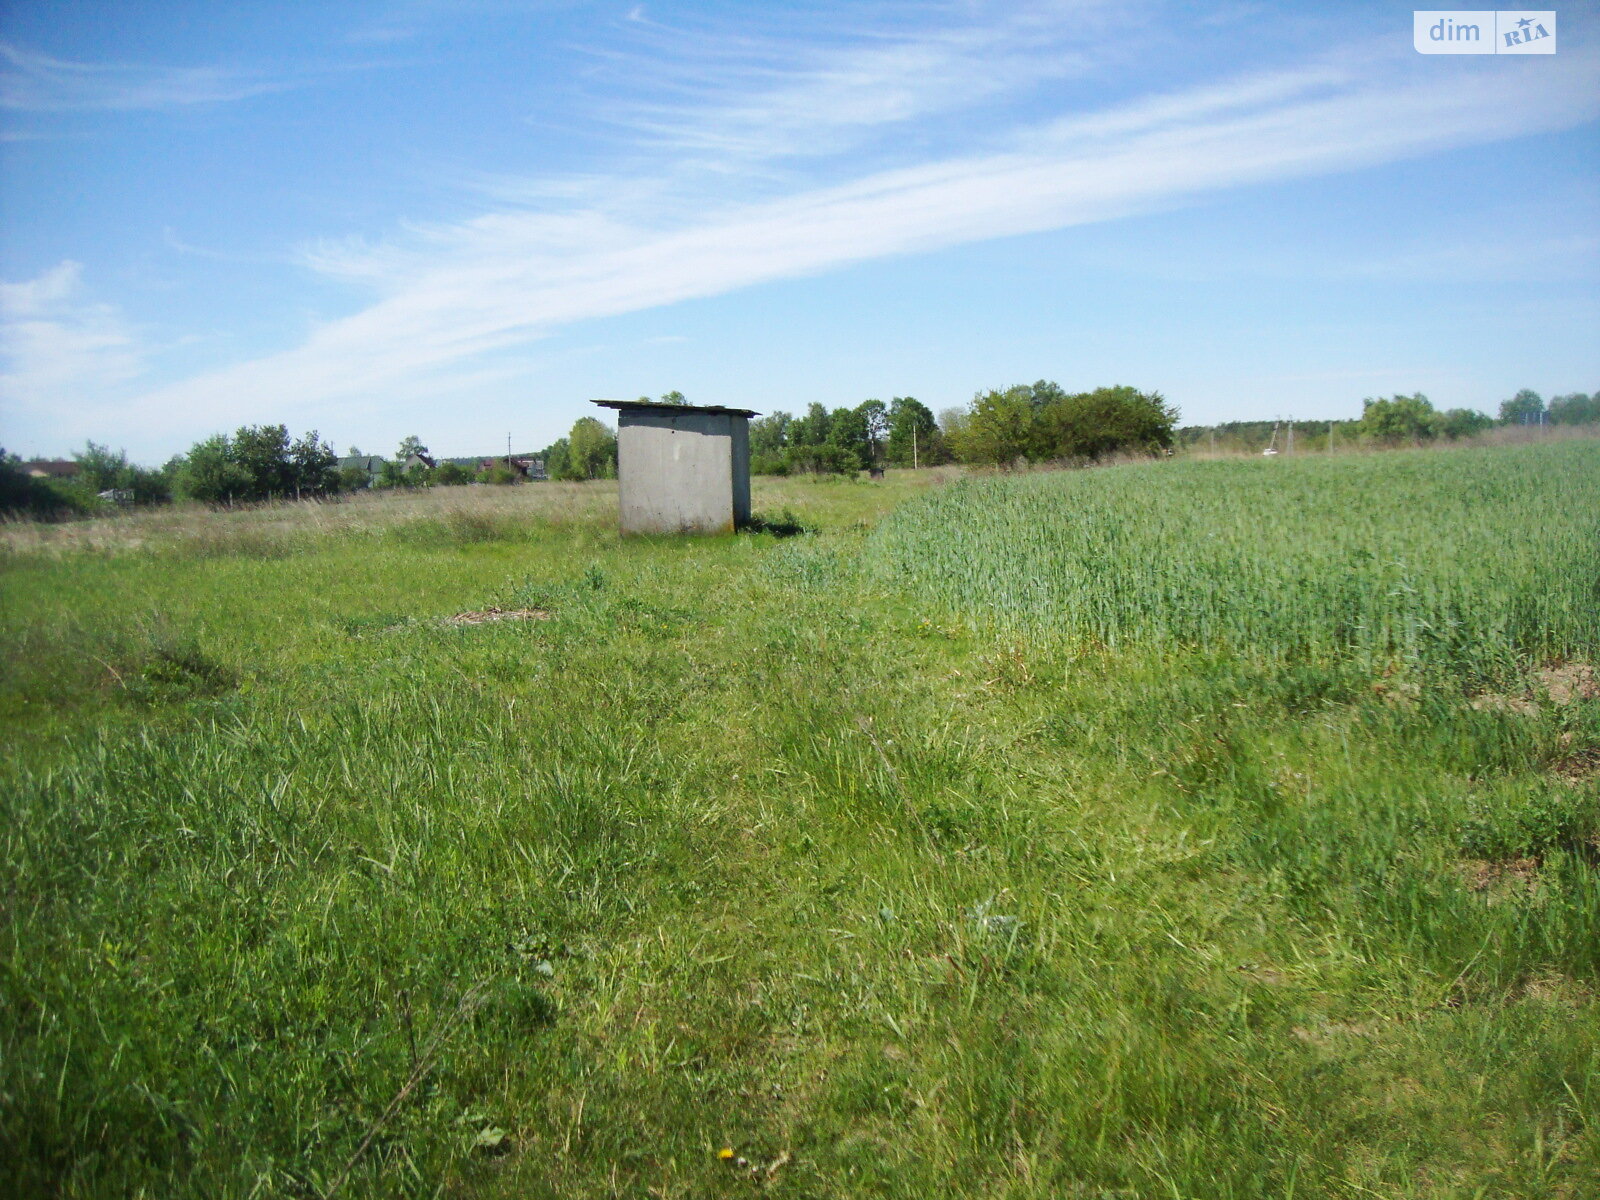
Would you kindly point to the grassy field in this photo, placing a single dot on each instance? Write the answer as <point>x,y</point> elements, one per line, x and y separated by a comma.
<point>1188,830</point>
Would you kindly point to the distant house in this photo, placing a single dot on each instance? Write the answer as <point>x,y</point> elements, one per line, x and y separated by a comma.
<point>525,468</point>
<point>370,464</point>
<point>419,460</point>
<point>59,468</point>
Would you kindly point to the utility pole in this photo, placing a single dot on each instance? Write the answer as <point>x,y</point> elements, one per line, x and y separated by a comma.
<point>1289,446</point>
<point>913,446</point>
<point>1330,437</point>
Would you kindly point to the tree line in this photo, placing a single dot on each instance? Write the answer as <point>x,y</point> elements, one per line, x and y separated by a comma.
<point>1398,420</point>
<point>1038,422</point>
<point>1028,423</point>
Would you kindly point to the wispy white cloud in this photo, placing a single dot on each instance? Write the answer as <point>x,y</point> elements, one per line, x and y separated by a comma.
<point>452,293</point>
<point>35,82</point>
<point>58,345</point>
<point>758,95</point>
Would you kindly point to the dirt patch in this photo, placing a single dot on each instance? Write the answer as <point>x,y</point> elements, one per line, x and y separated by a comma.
<point>1501,876</point>
<point>1568,682</point>
<point>1578,769</point>
<point>1556,989</point>
<point>1490,702</point>
<point>1331,1031</point>
<point>1559,684</point>
<point>487,615</point>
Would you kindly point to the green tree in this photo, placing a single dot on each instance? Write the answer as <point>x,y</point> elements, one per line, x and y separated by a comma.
<point>826,459</point>
<point>1456,423</point>
<point>875,415</point>
<point>354,478</point>
<point>913,435</point>
<point>210,473</point>
<point>313,466</point>
<point>1525,408</point>
<point>1108,420</point>
<point>1398,419</point>
<point>847,433</point>
<point>409,446</point>
<point>558,460</point>
<point>22,494</point>
<point>811,429</point>
<point>391,474</point>
<point>770,434</point>
<point>999,428</point>
<point>451,474</point>
<point>591,450</point>
<point>101,468</point>
<point>263,451</point>
<point>1574,409</point>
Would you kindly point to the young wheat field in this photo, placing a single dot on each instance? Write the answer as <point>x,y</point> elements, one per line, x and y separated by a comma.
<point>1185,830</point>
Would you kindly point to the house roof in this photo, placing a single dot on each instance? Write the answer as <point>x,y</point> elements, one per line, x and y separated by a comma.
<point>652,406</point>
<point>56,468</point>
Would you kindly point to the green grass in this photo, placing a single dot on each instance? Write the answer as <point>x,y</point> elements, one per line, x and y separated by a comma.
<point>919,855</point>
<point>1477,559</point>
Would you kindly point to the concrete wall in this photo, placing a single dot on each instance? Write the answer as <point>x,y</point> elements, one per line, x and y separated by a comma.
<point>682,472</point>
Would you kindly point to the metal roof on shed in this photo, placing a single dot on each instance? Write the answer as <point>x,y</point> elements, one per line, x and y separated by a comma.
<point>651,406</point>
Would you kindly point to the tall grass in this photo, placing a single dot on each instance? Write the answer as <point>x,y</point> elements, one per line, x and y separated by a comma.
<point>1477,557</point>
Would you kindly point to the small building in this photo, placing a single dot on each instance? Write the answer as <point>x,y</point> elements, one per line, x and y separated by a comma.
<point>364,467</point>
<point>682,468</point>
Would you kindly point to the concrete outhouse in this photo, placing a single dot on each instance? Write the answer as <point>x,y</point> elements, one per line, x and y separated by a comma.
<point>682,468</point>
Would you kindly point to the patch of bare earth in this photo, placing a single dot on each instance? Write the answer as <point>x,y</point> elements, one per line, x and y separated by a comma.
<point>1559,684</point>
<point>1565,683</point>
<point>1578,769</point>
<point>1501,876</point>
<point>484,616</point>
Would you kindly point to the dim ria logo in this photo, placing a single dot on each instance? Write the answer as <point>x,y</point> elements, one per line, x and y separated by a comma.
<point>1468,31</point>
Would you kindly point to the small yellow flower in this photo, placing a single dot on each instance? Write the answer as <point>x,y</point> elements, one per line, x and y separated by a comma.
<point>725,1153</point>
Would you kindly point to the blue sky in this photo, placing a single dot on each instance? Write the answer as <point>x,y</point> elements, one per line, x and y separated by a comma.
<point>466,219</point>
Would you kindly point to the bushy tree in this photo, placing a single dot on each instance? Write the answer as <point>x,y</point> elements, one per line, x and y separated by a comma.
<point>848,434</point>
<point>313,466</point>
<point>1041,421</point>
<point>1574,409</point>
<point>811,429</point>
<point>1000,428</point>
<point>913,433</point>
<point>354,478</point>
<point>257,463</point>
<point>23,495</point>
<point>557,459</point>
<point>770,434</point>
<point>591,450</point>
<point>451,474</point>
<point>264,453</point>
<point>212,475</point>
<point>1108,420</point>
<point>1399,419</point>
<point>101,469</point>
<point>1462,422</point>
<point>1524,408</point>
